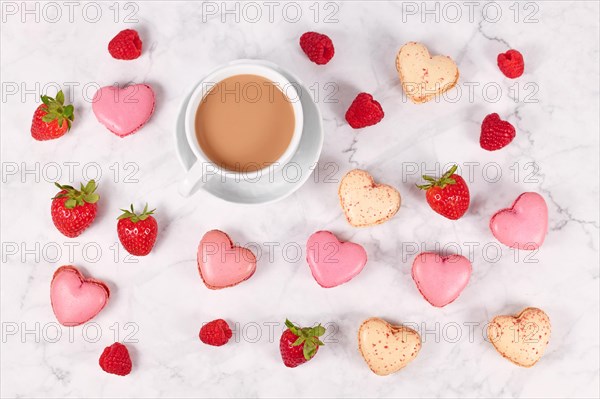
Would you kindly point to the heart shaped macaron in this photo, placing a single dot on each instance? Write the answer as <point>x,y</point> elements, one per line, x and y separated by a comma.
<point>333,262</point>
<point>440,279</point>
<point>524,225</point>
<point>424,77</point>
<point>366,203</point>
<point>522,339</point>
<point>221,263</point>
<point>124,110</point>
<point>76,299</point>
<point>387,348</point>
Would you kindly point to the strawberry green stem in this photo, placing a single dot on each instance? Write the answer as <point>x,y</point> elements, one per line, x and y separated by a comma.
<point>134,217</point>
<point>85,194</point>
<point>56,109</point>
<point>307,336</point>
<point>442,182</point>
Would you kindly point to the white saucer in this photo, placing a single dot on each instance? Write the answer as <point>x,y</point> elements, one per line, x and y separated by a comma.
<point>282,182</point>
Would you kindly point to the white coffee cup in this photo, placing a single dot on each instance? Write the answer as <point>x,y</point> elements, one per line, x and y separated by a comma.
<point>204,169</point>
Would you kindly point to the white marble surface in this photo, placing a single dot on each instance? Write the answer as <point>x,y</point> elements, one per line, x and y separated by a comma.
<point>163,295</point>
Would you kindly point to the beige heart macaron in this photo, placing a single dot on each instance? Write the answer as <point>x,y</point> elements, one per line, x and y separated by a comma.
<point>387,348</point>
<point>523,338</point>
<point>366,203</point>
<point>424,77</point>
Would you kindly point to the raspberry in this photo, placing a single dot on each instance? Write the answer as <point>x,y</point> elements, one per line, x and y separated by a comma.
<point>511,64</point>
<point>495,133</point>
<point>318,47</point>
<point>364,111</point>
<point>215,333</point>
<point>126,45</point>
<point>115,359</point>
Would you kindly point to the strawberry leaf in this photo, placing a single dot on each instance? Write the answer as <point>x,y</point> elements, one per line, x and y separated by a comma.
<point>60,97</point>
<point>309,350</point>
<point>48,118</point>
<point>451,171</point>
<point>292,327</point>
<point>134,217</point>
<point>91,198</point>
<point>78,197</point>
<point>90,187</point>
<point>441,182</point>
<point>56,111</point>
<point>319,331</point>
<point>70,203</point>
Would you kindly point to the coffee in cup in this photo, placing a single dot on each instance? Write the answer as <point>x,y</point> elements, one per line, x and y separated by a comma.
<point>244,123</point>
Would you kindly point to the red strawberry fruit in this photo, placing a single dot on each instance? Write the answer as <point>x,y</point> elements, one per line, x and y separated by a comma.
<point>136,232</point>
<point>364,111</point>
<point>511,64</point>
<point>127,45</point>
<point>52,118</point>
<point>215,333</point>
<point>495,133</point>
<point>448,195</point>
<point>115,359</point>
<point>299,345</point>
<point>73,210</point>
<point>318,47</point>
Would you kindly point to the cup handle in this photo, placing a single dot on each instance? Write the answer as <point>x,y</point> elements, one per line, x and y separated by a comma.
<point>194,176</point>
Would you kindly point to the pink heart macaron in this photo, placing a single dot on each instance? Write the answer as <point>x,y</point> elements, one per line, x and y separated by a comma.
<point>124,110</point>
<point>74,298</point>
<point>333,262</point>
<point>221,263</point>
<point>440,279</point>
<point>524,225</point>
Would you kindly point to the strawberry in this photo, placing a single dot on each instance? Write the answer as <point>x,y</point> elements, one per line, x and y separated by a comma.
<point>52,118</point>
<point>115,359</point>
<point>299,345</point>
<point>495,133</point>
<point>364,111</point>
<point>215,333</point>
<point>136,232</point>
<point>73,210</point>
<point>448,195</point>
